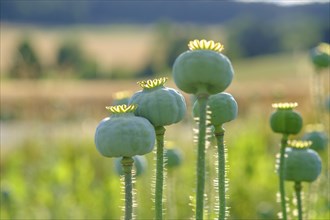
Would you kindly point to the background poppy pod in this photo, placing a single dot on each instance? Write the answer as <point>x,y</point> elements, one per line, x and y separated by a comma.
<point>223,108</point>
<point>302,165</point>
<point>173,158</point>
<point>285,120</point>
<point>321,55</point>
<point>319,140</point>
<point>139,166</point>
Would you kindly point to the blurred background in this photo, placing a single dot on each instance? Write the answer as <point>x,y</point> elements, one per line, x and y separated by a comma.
<point>62,62</point>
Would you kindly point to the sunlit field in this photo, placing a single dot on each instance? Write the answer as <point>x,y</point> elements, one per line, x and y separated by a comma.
<point>50,168</point>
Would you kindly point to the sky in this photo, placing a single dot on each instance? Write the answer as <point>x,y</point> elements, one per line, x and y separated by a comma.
<point>287,2</point>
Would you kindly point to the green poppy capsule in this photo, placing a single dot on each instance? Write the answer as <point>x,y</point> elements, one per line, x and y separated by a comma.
<point>301,163</point>
<point>315,133</point>
<point>319,140</point>
<point>123,134</point>
<point>203,69</point>
<point>121,98</point>
<point>327,104</point>
<point>173,158</point>
<point>285,120</point>
<point>159,104</point>
<point>223,108</point>
<point>140,165</point>
<point>321,56</point>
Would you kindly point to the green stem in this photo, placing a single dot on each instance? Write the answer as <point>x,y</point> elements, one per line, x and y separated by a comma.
<point>171,203</point>
<point>284,141</point>
<point>219,133</point>
<point>298,188</point>
<point>127,163</point>
<point>160,131</point>
<point>318,95</point>
<point>202,101</point>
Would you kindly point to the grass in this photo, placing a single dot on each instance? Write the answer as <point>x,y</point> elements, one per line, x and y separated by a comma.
<point>269,67</point>
<point>67,178</point>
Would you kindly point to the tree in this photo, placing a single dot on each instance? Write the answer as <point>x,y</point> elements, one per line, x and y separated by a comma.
<point>26,63</point>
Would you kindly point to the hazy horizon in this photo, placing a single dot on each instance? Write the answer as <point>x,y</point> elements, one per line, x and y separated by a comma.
<point>285,2</point>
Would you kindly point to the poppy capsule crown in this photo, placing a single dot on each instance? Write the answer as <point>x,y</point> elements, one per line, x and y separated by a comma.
<point>150,84</point>
<point>118,109</point>
<point>205,45</point>
<point>203,69</point>
<point>285,120</point>
<point>301,163</point>
<point>123,134</point>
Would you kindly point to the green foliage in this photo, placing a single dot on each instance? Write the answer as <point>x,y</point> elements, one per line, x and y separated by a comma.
<point>246,144</point>
<point>300,33</point>
<point>69,55</point>
<point>248,37</point>
<point>65,178</point>
<point>251,37</point>
<point>26,63</point>
<point>70,62</point>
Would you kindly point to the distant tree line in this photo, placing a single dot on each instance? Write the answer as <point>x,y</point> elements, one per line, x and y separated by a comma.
<point>255,37</point>
<point>50,12</point>
<point>247,30</point>
<point>241,39</point>
<point>70,62</point>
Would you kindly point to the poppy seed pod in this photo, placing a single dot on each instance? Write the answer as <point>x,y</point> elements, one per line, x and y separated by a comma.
<point>140,165</point>
<point>285,120</point>
<point>203,69</point>
<point>159,104</point>
<point>223,108</point>
<point>319,139</point>
<point>121,98</point>
<point>321,55</point>
<point>173,157</point>
<point>301,163</point>
<point>123,134</point>
<point>327,104</point>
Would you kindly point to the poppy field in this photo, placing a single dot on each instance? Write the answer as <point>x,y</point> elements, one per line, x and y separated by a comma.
<point>59,160</point>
